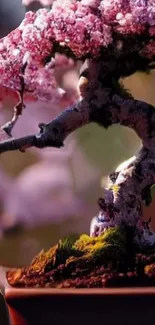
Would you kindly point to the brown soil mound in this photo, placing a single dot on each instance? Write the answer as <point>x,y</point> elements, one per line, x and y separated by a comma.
<point>111,260</point>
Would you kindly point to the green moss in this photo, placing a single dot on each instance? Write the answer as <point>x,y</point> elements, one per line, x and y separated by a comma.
<point>114,236</point>
<point>67,243</point>
<point>43,259</point>
<point>66,249</point>
<point>85,242</point>
<point>111,247</point>
<point>55,256</point>
<point>108,254</point>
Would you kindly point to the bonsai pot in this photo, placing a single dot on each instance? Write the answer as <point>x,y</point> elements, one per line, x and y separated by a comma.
<point>41,306</point>
<point>79,282</point>
<point>72,284</point>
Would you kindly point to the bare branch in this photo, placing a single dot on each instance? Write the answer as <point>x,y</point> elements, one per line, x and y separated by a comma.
<point>54,133</point>
<point>18,109</point>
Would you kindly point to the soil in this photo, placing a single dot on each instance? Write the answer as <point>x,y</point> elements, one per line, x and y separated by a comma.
<point>111,260</point>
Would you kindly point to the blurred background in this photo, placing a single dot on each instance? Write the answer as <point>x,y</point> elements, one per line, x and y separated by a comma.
<point>50,193</point>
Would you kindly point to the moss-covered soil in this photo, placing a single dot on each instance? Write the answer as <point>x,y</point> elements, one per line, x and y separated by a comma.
<point>110,260</point>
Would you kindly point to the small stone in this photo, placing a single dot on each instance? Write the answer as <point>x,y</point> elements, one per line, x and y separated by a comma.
<point>37,285</point>
<point>66,285</point>
<point>48,285</point>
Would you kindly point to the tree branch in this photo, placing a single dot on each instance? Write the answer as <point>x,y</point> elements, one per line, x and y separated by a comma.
<point>122,203</point>
<point>54,133</point>
<point>106,103</point>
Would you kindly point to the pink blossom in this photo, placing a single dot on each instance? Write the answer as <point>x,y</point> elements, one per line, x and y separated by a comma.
<point>85,27</point>
<point>149,49</point>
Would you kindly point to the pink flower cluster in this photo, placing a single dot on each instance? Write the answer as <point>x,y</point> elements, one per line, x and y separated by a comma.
<point>41,80</point>
<point>84,26</point>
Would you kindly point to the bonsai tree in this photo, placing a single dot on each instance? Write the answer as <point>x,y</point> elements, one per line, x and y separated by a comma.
<point>114,39</point>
